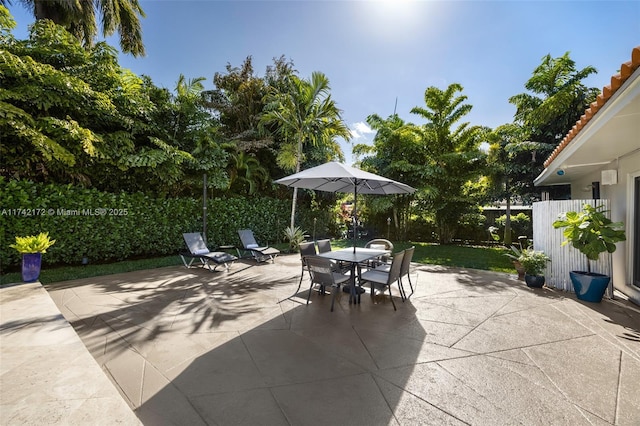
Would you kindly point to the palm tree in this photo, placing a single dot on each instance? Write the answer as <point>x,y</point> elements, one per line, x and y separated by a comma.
<point>79,18</point>
<point>188,97</point>
<point>555,100</point>
<point>557,97</point>
<point>392,156</point>
<point>451,156</point>
<point>246,172</point>
<point>306,115</point>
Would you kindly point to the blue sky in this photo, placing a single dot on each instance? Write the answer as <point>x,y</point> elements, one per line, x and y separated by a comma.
<point>375,52</point>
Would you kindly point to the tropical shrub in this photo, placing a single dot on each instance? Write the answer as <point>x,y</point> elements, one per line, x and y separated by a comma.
<point>294,236</point>
<point>105,226</point>
<point>520,224</point>
<point>590,231</point>
<point>33,243</point>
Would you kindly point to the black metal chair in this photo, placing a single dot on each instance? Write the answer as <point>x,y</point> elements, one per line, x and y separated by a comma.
<point>381,280</point>
<point>322,273</point>
<point>380,243</point>
<point>306,250</point>
<point>324,246</point>
<point>404,271</point>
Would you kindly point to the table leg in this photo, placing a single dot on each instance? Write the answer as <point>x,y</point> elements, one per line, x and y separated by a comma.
<point>359,288</point>
<point>352,290</point>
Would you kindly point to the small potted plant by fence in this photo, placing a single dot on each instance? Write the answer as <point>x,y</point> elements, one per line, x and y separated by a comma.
<point>514,255</point>
<point>32,247</point>
<point>591,232</point>
<point>534,263</point>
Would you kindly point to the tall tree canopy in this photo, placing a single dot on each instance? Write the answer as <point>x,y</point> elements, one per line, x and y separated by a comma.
<point>238,101</point>
<point>555,99</point>
<point>451,158</point>
<point>305,115</point>
<point>394,154</point>
<point>69,114</point>
<point>508,160</point>
<point>79,18</point>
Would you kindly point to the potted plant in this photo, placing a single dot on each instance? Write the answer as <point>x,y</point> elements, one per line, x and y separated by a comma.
<point>591,232</point>
<point>295,236</point>
<point>514,256</point>
<point>534,263</point>
<point>32,247</point>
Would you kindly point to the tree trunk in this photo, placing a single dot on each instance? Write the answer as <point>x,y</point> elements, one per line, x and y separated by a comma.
<point>507,223</point>
<point>293,207</point>
<point>46,10</point>
<point>295,190</point>
<point>396,224</point>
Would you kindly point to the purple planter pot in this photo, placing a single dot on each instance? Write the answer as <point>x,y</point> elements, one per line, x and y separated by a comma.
<point>31,263</point>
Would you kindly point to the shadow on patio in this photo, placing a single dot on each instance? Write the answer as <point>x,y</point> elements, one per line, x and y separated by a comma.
<point>187,346</point>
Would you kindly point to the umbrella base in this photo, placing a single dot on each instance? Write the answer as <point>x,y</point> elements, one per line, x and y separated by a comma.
<point>347,289</point>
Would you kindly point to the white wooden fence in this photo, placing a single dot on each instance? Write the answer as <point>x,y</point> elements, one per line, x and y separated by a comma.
<point>563,258</point>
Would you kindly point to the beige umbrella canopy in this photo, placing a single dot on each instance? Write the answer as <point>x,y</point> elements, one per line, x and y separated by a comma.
<point>338,177</point>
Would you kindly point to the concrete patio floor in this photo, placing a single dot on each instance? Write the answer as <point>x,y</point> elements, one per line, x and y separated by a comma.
<point>192,347</point>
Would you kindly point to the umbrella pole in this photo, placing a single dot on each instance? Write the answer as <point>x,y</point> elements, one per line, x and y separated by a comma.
<point>355,214</point>
<point>204,208</point>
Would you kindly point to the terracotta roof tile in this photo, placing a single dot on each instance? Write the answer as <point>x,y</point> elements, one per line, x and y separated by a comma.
<point>617,80</point>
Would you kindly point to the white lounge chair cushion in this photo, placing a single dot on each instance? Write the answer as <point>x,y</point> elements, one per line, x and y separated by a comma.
<point>252,246</point>
<point>201,251</point>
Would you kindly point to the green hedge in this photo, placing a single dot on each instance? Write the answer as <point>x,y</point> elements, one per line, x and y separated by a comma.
<point>106,227</point>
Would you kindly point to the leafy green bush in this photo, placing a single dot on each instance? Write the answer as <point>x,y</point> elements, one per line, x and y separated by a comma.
<point>533,261</point>
<point>520,224</point>
<point>471,227</point>
<point>105,227</point>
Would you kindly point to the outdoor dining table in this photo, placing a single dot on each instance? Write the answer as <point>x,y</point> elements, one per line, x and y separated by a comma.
<point>355,258</point>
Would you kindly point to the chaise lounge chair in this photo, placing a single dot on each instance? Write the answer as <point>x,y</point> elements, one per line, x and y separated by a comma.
<point>260,254</point>
<point>198,250</point>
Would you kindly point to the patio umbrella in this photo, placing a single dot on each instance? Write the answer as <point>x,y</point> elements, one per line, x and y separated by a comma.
<point>337,177</point>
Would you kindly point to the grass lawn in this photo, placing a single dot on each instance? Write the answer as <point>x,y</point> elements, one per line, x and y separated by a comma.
<point>477,257</point>
<point>65,273</point>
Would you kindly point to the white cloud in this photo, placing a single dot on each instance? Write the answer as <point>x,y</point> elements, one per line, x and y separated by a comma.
<point>360,129</point>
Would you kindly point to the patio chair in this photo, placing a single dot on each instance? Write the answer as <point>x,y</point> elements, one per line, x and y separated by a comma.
<point>322,273</point>
<point>404,271</point>
<point>260,254</point>
<point>198,251</point>
<point>306,250</point>
<point>381,280</point>
<point>381,244</point>
<point>324,246</point>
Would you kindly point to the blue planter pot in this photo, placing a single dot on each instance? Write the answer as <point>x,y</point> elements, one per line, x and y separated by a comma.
<point>589,287</point>
<point>535,281</point>
<point>31,263</point>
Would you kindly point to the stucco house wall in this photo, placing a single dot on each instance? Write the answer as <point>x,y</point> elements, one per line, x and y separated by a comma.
<point>620,197</point>
<point>607,137</point>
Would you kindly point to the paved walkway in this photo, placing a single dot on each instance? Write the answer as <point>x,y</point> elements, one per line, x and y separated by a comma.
<point>192,347</point>
<point>47,377</point>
